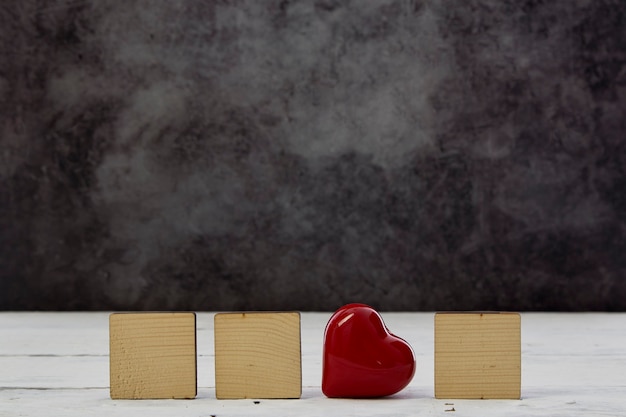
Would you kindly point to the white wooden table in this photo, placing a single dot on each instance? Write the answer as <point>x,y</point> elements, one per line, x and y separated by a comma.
<point>57,364</point>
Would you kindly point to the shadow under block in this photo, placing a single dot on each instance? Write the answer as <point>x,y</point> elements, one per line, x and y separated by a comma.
<point>152,355</point>
<point>478,355</point>
<point>257,355</point>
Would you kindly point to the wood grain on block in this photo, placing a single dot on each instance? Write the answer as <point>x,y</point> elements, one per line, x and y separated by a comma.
<point>152,355</point>
<point>478,355</point>
<point>257,355</point>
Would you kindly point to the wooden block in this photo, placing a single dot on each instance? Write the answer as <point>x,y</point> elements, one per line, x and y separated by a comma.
<point>257,355</point>
<point>478,355</point>
<point>152,355</point>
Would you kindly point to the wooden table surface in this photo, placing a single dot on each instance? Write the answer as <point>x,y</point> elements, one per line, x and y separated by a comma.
<point>56,364</point>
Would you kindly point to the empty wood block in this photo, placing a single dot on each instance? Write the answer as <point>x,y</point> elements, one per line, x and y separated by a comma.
<point>257,355</point>
<point>152,355</point>
<point>478,355</point>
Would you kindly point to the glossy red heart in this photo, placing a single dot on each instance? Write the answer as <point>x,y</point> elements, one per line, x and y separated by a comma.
<point>361,358</point>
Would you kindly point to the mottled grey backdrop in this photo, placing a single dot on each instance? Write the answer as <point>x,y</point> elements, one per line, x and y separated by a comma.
<point>414,155</point>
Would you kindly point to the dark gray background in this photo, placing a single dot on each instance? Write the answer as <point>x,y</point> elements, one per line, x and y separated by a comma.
<point>413,155</point>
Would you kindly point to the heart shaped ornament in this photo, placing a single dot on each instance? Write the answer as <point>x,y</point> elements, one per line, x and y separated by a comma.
<point>362,359</point>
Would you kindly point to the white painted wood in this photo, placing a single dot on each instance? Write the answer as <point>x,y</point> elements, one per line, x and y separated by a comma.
<point>57,364</point>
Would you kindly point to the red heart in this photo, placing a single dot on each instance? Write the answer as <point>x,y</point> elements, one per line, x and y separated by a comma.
<point>361,358</point>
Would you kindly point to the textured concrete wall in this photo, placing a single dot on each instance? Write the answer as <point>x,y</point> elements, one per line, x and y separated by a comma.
<point>415,155</point>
